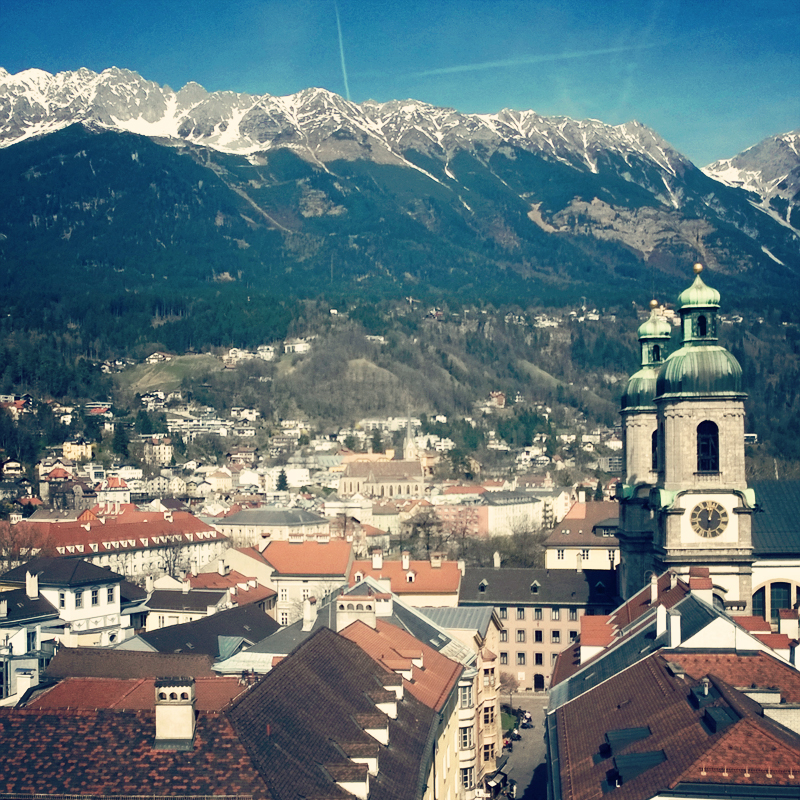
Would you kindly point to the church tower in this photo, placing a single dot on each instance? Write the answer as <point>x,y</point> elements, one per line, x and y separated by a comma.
<point>700,504</point>
<point>640,454</point>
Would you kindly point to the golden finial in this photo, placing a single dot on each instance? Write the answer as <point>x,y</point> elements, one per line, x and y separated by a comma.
<point>698,268</point>
<point>653,304</point>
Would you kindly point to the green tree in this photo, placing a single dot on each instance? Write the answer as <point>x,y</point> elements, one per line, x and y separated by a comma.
<point>598,492</point>
<point>282,484</point>
<point>377,442</point>
<point>120,441</point>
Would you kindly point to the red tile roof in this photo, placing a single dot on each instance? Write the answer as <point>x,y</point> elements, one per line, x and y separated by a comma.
<point>753,624</point>
<point>212,694</point>
<point>110,753</point>
<point>309,558</point>
<point>427,579</point>
<point>595,631</point>
<point>130,530</point>
<point>213,580</point>
<point>648,697</point>
<point>393,647</point>
<point>754,669</point>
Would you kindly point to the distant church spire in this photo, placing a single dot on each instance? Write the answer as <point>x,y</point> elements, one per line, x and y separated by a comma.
<point>410,452</point>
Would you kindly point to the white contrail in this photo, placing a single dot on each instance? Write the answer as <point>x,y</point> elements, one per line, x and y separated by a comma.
<point>515,62</point>
<point>341,49</point>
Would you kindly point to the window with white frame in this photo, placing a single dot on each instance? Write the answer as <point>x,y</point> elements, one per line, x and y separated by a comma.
<point>560,555</point>
<point>95,597</point>
<point>465,738</point>
<point>521,635</point>
<point>465,696</point>
<point>503,658</point>
<point>283,595</point>
<point>78,599</point>
<point>110,594</point>
<point>504,635</point>
<point>555,614</point>
<point>521,613</point>
<point>468,777</point>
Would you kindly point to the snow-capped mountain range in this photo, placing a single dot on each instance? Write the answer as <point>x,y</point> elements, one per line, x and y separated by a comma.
<point>485,184</point>
<point>318,124</point>
<point>769,169</point>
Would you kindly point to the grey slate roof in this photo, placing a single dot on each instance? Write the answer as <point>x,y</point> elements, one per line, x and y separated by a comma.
<point>461,618</point>
<point>203,635</point>
<point>21,609</point>
<point>60,572</point>
<point>776,524</point>
<point>276,517</point>
<point>100,662</point>
<point>695,615</point>
<point>177,600</point>
<point>511,586</point>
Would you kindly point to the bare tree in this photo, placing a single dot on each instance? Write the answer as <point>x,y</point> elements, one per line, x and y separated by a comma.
<point>21,542</point>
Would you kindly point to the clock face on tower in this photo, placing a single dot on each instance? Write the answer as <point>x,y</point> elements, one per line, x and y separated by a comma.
<point>709,519</point>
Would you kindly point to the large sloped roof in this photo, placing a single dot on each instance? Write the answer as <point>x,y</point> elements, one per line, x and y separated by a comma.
<point>106,752</point>
<point>305,714</point>
<point>657,735</point>
<point>776,524</point>
<point>248,623</point>
<point>509,586</point>
<point>99,662</point>
<point>61,572</point>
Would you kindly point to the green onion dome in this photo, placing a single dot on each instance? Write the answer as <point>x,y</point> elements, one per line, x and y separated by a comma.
<point>640,391</point>
<point>655,326</point>
<point>698,295</point>
<point>700,371</point>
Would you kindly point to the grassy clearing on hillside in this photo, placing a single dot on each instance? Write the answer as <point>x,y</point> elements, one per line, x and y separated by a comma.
<point>168,375</point>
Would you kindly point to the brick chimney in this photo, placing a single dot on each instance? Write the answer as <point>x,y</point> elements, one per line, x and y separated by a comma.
<point>175,718</point>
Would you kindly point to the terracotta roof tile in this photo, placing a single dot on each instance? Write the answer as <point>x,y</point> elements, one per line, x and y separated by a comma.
<point>427,579</point>
<point>309,558</point>
<point>132,694</point>
<point>394,647</point>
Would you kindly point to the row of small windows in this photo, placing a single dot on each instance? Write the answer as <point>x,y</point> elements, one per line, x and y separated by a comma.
<point>707,447</point>
<point>522,659</point>
<point>94,597</point>
<point>538,613</point>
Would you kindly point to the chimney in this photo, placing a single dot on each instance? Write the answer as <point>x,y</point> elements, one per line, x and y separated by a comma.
<point>194,566</point>
<point>673,628</point>
<point>436,560</point>
<point>462,566</point>
<point>653,589</point>
<point>148,584</point>
<point>377,558</point>
<point>673,579</point>
<point>175,718</point>
<point>3,608</point>
<point>405,558</point>
<point>580,563</point>
<point>496,560</point>
<point>661,620</point>
<point>32,585</point>
<point>309,613</point>
<point>705,683</point>
<point>185,585</point>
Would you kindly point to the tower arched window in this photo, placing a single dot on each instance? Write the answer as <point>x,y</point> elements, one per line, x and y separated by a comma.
<point>707,447</point>
<point>702,325</point>
<point>654,451</point>
<point>656,353</point>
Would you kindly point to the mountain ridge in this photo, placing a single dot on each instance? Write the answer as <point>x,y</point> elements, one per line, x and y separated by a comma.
<point>409,192</point>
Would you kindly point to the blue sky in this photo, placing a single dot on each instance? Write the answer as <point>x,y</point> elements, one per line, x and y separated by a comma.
<point>712,78</point>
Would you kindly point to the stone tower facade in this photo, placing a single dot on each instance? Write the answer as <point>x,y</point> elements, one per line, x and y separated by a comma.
<point>698,507</point>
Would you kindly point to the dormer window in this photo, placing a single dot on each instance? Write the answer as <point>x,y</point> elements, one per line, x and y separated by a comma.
<point>482,585</point>
<point>535,587</point>
<point>410,577</point>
